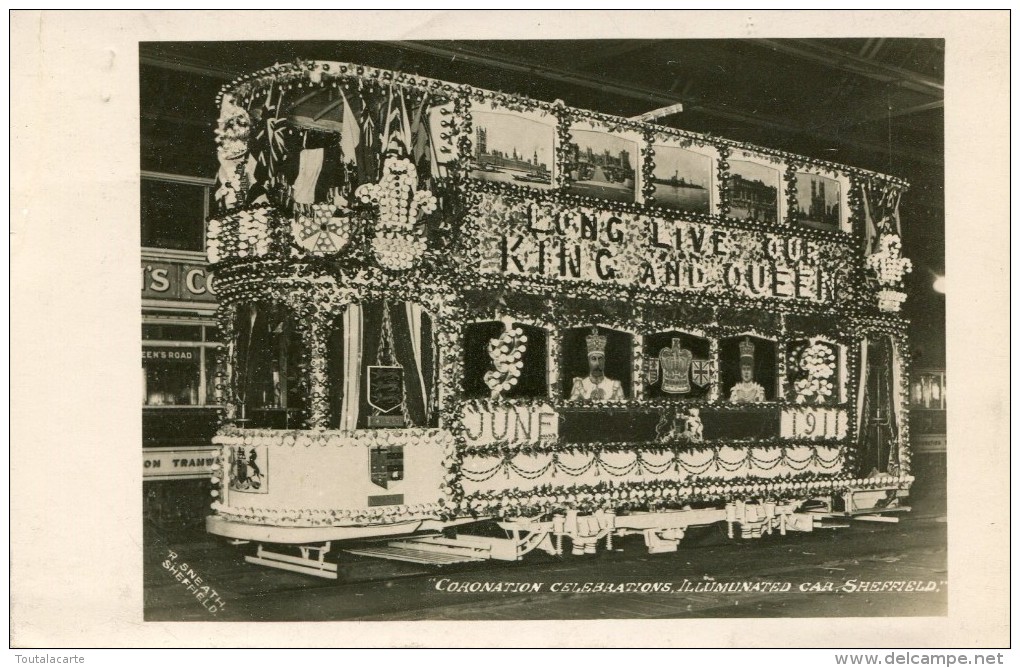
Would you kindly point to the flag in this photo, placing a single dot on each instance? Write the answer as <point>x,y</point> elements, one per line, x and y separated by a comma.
<point>268,148</point>
<point>421,150</point>
<point>396,133</point>
<point>368,147</point>
<point>350,134</point>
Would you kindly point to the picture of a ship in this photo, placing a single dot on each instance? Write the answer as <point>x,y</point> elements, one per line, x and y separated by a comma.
<point>681,179</point>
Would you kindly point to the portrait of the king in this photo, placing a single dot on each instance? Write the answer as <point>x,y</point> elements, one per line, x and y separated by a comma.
<point>747,391</point>
<point>596,386</point>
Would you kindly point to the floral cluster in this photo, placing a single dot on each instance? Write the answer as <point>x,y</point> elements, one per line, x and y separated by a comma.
<point>396,195</point>
<point>818,361</point>
<point>397,251</point>
<point>399,239</point>
<point>507,355</point>
<point>232,130</point>
<point>242,234</point>
<point>891,300</point>
<point>887,262</point>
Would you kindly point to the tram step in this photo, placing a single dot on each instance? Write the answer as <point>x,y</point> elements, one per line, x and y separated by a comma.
<point>399,553</point>
<point>467,546</point>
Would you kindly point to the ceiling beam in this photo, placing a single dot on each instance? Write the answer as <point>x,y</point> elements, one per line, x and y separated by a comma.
<point>658,98</point>
<point>896,113</point>
<point>189,65</point>
<point>833,57</point>
<point>662,99</point>
<point>602,84</point>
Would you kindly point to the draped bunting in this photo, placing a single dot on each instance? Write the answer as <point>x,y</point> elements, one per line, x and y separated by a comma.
<point>877,410</point>
<point>354,339</point>
<point>881,211</point>
<point>310,166</point>
<point>354,345</point>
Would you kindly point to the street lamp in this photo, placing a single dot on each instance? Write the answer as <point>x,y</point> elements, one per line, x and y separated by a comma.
<point>939,285</point>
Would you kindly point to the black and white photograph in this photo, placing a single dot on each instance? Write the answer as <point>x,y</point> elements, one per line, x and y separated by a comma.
<point>817,201</point>
<point>683,179</point>
<point>753,191</point>
<point>512,149</point>
<point>600,164</point>
<point>381,391</point>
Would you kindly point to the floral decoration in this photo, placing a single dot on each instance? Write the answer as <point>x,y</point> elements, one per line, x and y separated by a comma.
<point>818,361</point>
<point>294,259</point>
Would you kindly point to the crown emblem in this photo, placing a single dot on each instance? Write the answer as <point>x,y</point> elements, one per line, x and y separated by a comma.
<point>746,350</point>
<point>596,343</point>
<point>675,362</point>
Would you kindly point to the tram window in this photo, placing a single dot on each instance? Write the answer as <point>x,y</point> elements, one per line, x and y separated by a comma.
<point>812,372</point>
<point>383,366</point>
<point>479,365</point>
<point>596,364</point>
<point>747,369</point>
<point>677,366</point>
<point>268,377</point>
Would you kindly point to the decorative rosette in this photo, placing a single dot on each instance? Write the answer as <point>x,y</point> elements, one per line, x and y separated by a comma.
<point>507,354</point>
<point>819,362</point>
<point>324,228</point>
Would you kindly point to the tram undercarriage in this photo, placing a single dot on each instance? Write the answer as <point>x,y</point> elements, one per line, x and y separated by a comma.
<point>439,543</point>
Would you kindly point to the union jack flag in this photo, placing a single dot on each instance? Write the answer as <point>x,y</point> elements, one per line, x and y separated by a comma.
<point>268,147</point>
<point>701,372</point>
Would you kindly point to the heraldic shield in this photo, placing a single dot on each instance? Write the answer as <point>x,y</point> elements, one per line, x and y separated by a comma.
<point>701,372</point>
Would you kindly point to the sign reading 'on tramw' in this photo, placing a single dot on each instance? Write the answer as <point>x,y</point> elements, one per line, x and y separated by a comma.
<point>178,463</point>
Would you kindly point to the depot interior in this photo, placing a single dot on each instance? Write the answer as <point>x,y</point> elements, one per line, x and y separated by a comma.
<point>873,103</point>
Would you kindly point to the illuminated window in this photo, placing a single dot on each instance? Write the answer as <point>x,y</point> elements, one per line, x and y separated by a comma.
<point>179,365</point>
<point>677,366</point>
<point>747,369</point>
<point>513,363</point>
<point>596,364</point>
<point>268,378</point>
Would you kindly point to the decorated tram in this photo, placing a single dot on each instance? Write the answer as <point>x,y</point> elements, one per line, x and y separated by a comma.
<point>445,309</point>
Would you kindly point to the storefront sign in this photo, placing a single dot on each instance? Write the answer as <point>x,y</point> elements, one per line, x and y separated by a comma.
<point>177,281</point>
<point>161,354</point>
<point>546,240</point>
<point>518,424</point>
<point>178,463</point>
<point>814,423</point>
